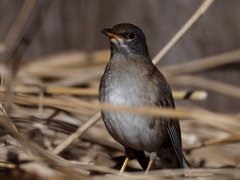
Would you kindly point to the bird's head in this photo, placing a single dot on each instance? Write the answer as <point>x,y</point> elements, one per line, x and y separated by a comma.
<point>128,40</point>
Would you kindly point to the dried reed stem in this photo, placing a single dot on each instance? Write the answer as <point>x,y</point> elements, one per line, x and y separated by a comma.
<point>223,140</point>
<point>77,133</point>
<point>227,123</point>
<point>191,95</point>
<point>16,33</point>
<point>68,60</point>
<point>212,85</point>
<point>200,11</point>
<point>203,63</point>
<point>2,68</point>
<point>231,139</point>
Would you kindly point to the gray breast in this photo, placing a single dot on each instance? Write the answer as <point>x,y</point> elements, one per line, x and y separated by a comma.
<point>130,87</point>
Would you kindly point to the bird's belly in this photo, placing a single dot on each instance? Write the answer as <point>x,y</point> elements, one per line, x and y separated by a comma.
<point>132,131</point>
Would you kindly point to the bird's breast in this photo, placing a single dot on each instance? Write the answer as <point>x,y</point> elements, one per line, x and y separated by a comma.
<point>130,88</point>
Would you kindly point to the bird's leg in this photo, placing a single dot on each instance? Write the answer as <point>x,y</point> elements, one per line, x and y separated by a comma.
<point>128,154</point>
<point>124,166</point>
<point>152,157</point>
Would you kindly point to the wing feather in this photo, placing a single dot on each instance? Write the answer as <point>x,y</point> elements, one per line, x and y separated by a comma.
<point>173,128</point>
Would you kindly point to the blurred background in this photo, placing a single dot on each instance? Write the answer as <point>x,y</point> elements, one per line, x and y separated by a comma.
<point>57,45</point>
<point>75,25</point>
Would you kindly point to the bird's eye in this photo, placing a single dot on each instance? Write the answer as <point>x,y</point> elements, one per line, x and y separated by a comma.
<point>131,35</point>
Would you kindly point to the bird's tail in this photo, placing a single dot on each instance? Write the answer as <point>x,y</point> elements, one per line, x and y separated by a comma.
<point>141,158</point>
<point>185,163</point>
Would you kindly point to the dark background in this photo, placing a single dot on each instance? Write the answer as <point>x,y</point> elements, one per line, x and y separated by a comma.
<point>76,24</point>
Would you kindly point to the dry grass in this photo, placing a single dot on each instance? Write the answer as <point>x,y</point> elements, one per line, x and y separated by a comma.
<point>51,121</point>
<point>59,116</point>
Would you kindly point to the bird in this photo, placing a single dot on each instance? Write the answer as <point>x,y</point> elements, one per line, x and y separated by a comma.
<point>131,79</point>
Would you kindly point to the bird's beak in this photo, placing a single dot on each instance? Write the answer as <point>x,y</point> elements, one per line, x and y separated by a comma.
<point>109,33</point>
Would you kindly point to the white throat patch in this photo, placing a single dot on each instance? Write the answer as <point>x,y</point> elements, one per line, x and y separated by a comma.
<point>120,43</point>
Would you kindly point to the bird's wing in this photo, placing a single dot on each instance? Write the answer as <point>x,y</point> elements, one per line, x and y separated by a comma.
<point>173,128</point>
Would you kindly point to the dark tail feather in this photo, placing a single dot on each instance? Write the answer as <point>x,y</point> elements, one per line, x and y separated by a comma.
<point>141,158</point>
<point>186,163</point>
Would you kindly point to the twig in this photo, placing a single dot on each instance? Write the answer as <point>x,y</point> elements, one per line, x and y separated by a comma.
<point>191,95</point>
<point>68,60</point>
<point>59,163</point>
<point>227,123</point>
<point>16,33</point>
<point>200,11</point>
<point>2,75</point>
<point>212,142</point>
<point>203,63</point>
<point>73,91</point>
<point>2,48</point>
<point>212,85</point>
<point>223,140</point>
<point>77,133</point>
